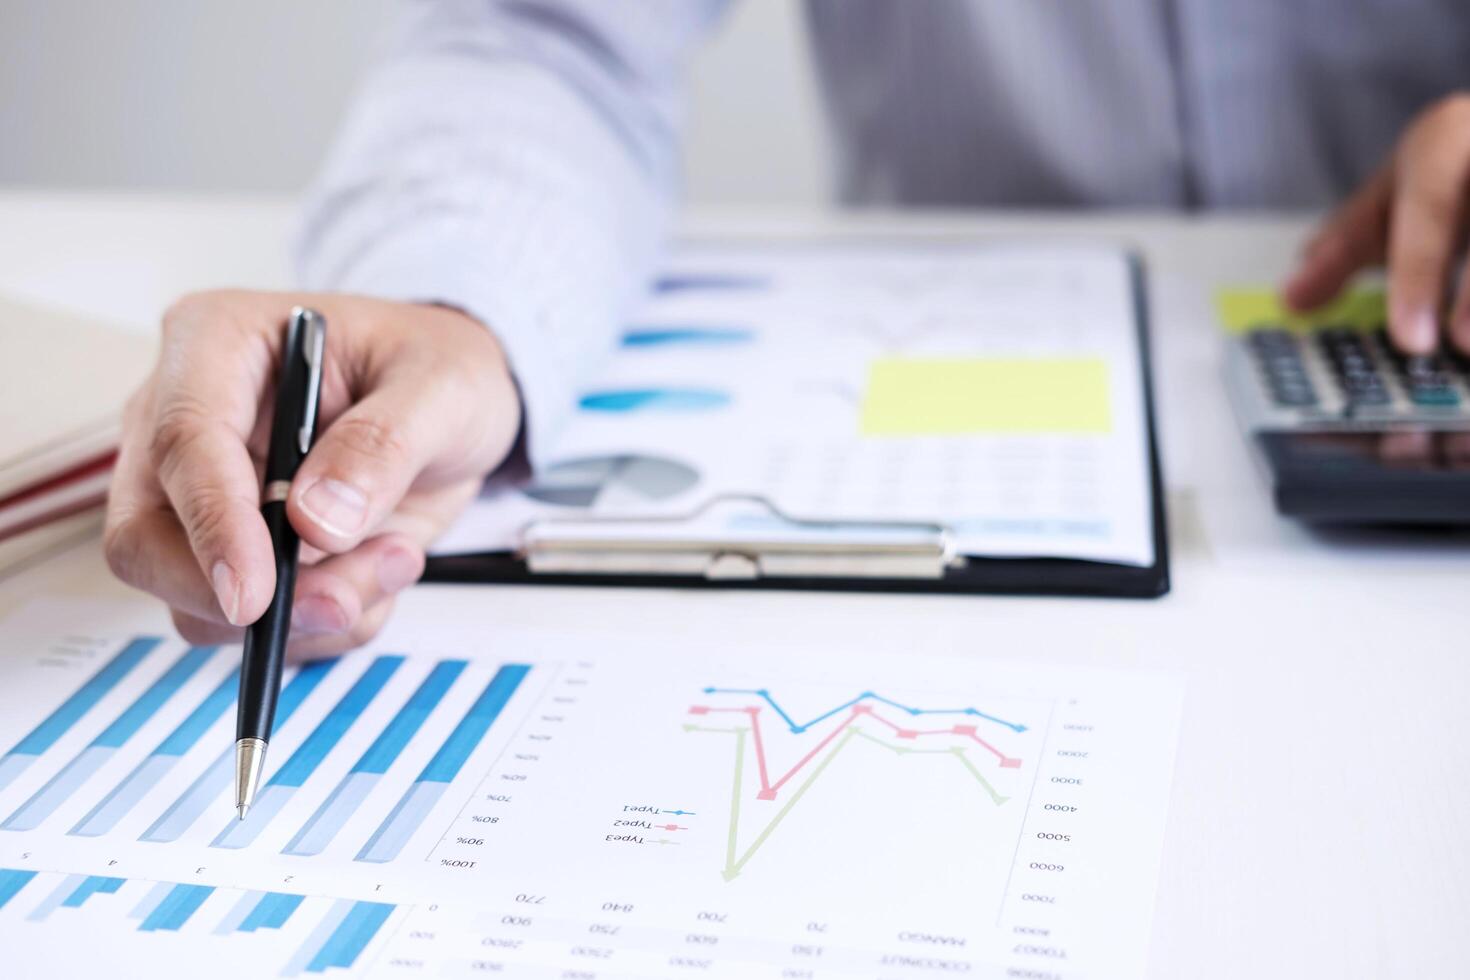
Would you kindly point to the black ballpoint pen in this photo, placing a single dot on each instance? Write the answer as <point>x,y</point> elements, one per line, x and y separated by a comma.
<point>298,389</point>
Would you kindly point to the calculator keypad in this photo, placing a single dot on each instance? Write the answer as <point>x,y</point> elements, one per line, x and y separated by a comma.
<point>1336,370</point>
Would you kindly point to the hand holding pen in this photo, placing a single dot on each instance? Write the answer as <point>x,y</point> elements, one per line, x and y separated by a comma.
<point>416,406</point>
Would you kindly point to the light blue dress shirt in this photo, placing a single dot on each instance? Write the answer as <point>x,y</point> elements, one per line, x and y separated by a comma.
<point>517,159</point>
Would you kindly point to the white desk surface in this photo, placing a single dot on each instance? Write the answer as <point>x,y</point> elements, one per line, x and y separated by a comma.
<point>1322,793</point>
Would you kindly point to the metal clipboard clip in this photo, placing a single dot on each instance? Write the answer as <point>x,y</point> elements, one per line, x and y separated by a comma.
<point>749,545</point>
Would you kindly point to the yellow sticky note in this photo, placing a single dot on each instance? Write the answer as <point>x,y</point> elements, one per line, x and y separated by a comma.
<point>955,396</point>
<point>1242,309</point>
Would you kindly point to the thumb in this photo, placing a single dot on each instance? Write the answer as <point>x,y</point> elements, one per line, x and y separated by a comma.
<point>364,463</point>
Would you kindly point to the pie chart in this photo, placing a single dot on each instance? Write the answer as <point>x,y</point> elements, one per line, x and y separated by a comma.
<point>611,481</point>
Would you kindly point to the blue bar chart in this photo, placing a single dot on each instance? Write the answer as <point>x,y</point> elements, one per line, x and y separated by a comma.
<point>136,785</point>
<point>414,806</point>
<point>76,772</point>
<point>175,908</point>
<point>188,808</point>
<point>139,753</point>
<point>44,735</point>
<point>329,818</point>
<point>258,910</point>
<point>12,880</point>
<point>73,892</point>
<point>292,775</point>
<point>330,934</point>
<point>341,937</point>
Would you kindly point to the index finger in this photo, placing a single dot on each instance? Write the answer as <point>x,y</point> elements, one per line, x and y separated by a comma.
<point>1421,246</point>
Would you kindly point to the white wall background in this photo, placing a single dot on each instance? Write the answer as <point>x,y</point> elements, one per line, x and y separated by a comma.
<point>200,95</point>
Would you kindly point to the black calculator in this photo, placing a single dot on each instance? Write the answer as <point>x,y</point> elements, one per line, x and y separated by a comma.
<point>1350,430</point>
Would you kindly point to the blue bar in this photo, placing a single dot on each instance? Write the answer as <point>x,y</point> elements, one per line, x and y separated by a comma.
<point>121,799</point>
<point>53,899</point>
<point>126,725</point>
<point>406,816</point>
<point>58,789</point>
<point>75,773</point>
<point>181,814</point>
<point>329,731</point>
<point>237,913</point>
<point>322,827</point>
<point>271,912</point>
<point>44,735</point>
<point>12,880</point>
<point>346,944</point>
<point>151,901</point>
<point>659,336</point>
<point>676,400</point>
<point>192,728</point>
<point>90,886</point>
<point>382,753</point>
<point>676,282</point>
<point>472,728</point>
<point>171,913</point>
<point>318,937</point>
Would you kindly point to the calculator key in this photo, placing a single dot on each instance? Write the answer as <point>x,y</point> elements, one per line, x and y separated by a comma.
<point>1428,379</point>
<point>1437,397</point>
<point>1369,396</point>
<point>1294,397</point>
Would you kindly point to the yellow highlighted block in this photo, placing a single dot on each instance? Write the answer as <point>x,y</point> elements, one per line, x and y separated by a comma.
<point>1241,309</point>
<point>956,396</point>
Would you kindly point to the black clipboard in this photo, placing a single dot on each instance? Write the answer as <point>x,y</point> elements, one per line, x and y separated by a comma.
<point>977,575</point>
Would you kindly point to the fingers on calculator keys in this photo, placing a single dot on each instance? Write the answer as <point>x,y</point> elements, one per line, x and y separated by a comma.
<point>1428,379</point>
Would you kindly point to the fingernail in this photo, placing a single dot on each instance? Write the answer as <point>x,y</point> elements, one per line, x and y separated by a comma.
<point>399,569</point>
<point>336,507</point>
<point>227,591</point>
<point>318,614</point>
<point>1420,333</point>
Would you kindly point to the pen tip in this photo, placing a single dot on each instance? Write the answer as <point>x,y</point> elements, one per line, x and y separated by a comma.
<point>249,759</point>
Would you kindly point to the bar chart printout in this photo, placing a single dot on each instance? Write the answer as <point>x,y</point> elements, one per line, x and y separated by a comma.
<point>178,924</point>
<point>214,781</point>
<point>292,775</point>
<point>355,787</point>
<point>44,735</point>
<point>75,773</point>
<point>165,693</point>
<point>585,797</point>
<point>127,794</point>
<point>446,764</point>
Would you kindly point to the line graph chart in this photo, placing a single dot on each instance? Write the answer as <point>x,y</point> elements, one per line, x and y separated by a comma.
<point>815,744</point>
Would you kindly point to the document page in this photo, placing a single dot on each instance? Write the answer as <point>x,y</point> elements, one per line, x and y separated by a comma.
<point>994,389</point>
<point>463,800</point>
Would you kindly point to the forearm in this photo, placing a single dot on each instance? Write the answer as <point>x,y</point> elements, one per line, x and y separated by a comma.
<point>517,164</point>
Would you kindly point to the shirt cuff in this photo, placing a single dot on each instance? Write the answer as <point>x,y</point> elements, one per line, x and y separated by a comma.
<point>415,267</point>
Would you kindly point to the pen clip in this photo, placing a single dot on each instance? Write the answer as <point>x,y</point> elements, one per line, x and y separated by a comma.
<point>313,349</point>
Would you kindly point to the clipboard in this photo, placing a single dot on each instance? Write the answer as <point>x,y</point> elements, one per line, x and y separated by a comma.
<point>887,556</point>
